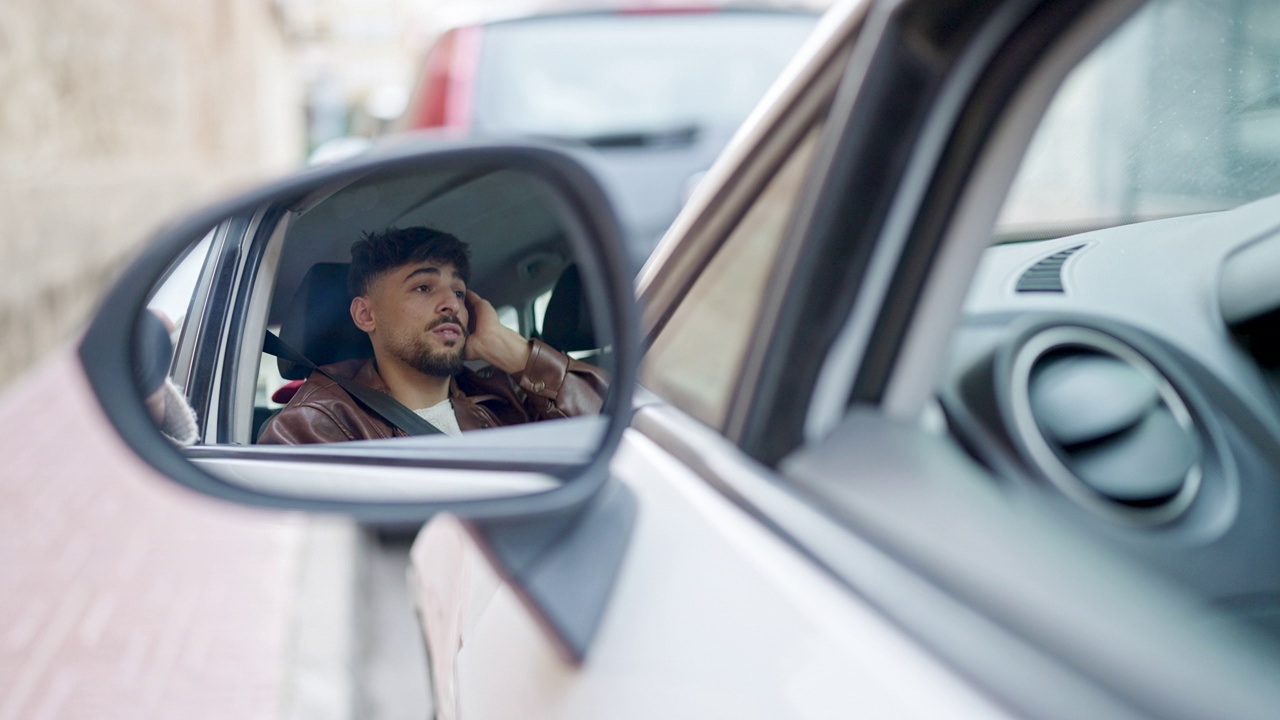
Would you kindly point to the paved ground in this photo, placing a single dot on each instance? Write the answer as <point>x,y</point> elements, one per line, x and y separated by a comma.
<point>392,675</point>
<point>125,596</point>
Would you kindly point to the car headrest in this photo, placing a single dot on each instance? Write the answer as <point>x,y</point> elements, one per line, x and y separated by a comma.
<point>317,321</point>
<point>567,324</point>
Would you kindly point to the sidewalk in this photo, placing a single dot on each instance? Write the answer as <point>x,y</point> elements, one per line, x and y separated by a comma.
<point>123,595</point>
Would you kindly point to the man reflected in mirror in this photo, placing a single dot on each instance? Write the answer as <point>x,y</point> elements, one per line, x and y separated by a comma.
<point>410,295</point>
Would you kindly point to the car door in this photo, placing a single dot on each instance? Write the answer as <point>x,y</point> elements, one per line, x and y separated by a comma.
<point>713,613</point>
<point>810,542</point>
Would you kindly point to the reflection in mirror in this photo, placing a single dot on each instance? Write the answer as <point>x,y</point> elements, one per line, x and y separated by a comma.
<point>334,345</point>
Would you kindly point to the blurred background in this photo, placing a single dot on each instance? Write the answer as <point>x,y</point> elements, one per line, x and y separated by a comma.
<point>124,596</point>
<point>119,115</point>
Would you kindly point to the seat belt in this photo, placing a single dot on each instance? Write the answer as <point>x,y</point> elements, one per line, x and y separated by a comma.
<point>390,409</point>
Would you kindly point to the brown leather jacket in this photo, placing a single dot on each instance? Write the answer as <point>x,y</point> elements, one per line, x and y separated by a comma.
<point>552,385</point>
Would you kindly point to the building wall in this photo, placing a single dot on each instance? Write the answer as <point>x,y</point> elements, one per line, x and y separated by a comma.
<point>118,114</point>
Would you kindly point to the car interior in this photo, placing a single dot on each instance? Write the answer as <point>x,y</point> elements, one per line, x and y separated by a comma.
<point>1127,377</point>
<point>292,284</point>
<point>521,262</point>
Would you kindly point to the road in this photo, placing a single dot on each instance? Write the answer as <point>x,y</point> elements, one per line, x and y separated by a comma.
<point>392,667</point>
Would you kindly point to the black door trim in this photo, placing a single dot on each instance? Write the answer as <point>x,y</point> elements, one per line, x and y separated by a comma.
<point>915,123</point>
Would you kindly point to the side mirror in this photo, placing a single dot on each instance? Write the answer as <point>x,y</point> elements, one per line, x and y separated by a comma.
<point>176,354</point>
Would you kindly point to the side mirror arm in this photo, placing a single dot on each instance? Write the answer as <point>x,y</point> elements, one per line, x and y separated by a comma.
<point>563,567</point>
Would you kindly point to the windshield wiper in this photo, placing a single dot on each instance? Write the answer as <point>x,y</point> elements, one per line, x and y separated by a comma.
<point>667,137</point>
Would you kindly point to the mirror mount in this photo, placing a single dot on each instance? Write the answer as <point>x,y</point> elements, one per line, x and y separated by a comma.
<point>563,567</point>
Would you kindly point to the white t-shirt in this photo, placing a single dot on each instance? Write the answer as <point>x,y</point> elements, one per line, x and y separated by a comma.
<point>441,415</point>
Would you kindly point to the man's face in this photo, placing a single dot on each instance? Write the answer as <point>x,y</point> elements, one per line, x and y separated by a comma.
<point>420,316</point>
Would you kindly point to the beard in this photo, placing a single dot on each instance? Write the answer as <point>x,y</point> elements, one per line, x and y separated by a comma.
<point>416,353</point>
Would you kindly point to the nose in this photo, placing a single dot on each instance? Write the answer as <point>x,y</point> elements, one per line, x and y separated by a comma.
<point>450,304</point>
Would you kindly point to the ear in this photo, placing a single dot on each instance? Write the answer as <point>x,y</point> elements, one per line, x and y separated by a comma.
<point>362,314</point>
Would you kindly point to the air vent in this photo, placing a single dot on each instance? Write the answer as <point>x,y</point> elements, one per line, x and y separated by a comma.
<point>1046,275</point>
<point>1105,425</point>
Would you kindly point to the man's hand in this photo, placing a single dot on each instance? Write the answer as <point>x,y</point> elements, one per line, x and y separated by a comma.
<point>493,342</point>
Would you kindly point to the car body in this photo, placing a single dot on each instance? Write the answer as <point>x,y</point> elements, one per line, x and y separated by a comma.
<point>894,450</point>
<point>747,590</point>
<point>657,91</point>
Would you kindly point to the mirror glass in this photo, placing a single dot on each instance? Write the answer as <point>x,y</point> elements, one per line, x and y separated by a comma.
<point>335,343</point>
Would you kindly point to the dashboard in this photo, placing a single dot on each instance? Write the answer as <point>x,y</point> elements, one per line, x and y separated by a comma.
<point>1127,379</point>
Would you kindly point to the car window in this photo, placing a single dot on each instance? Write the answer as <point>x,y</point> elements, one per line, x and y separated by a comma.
<point>540,309</point>
<point>509,316</point>
<point>1174,114</point>
<point>173,297</point>
<point>172,301</point>
<point>560,76</point>
<point>694,361</point>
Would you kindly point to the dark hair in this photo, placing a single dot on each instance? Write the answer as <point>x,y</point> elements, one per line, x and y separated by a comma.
<point>377,252</point>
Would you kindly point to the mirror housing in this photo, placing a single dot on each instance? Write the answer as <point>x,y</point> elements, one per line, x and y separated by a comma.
<point>107,349</point>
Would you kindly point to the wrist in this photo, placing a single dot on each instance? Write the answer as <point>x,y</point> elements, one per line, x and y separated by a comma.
<point>509,353</point>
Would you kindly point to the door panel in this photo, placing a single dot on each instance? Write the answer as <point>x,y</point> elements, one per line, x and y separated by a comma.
<point>713,616</point>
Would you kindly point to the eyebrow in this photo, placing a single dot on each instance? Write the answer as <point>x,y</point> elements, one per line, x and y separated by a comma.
<point>430,270</point>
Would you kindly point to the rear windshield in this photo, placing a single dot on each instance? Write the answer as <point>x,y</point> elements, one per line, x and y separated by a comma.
<point>599,75</point>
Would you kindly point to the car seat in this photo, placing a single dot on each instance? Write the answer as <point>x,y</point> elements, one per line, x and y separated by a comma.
<point>567,324</point>
<point>317,321</point>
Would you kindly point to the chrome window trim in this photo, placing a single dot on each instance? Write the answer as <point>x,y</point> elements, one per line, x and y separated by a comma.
<point>193,324</point>
<point>255,325</point>
<point>200,383</point>
<point>736,178</point>
<point>223,354</point>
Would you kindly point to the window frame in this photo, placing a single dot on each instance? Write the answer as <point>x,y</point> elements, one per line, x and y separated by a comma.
<point>790,112</point>
<point>697,319</point>
<point>913,120</point>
